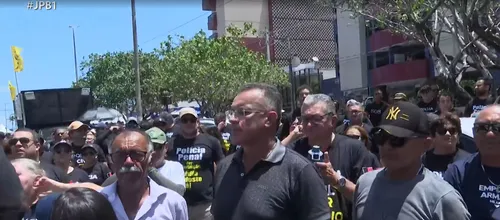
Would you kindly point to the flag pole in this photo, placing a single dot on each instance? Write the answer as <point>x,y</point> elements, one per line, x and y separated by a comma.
<point>20,102</point>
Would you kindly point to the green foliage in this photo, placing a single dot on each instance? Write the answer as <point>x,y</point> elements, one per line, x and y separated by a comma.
<point>208,71</point>
<point>112,80</point>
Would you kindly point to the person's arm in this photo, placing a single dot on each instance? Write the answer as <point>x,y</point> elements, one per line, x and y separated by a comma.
<point>311,200</point>
<point>55,186</point>
<point>163,181</point>
<point>295,135</point>
<point>451,206</point>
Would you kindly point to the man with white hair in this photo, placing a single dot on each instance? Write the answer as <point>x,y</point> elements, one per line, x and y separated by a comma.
<point>478,177</point>
<point>356,115</point>
<point>134,195</point>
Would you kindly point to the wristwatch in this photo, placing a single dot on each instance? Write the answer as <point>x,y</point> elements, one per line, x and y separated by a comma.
<point>342,182</point>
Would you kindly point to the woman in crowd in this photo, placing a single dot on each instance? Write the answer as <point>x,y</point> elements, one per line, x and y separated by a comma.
<point>359,133</point>
<point>82,203</point>
<point>445,132</point>
<point>91,136</point>
<point>62,159</point>
<point>97,172</point>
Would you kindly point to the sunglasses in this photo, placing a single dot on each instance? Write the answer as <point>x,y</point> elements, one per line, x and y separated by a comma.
<point>89,153</point>
<point>485,127</point>
<point>357,137</point>
<point>443,131</point>
<point>23,141</point>
<point>188,120</point>
<point>380,137</point>
<point>121,156</point>
<point>61,150</point>
<point>157,146</point>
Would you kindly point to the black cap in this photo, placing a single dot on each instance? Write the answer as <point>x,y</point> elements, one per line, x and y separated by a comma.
<point>405,119</point>
<point>165,117</point>
<point>93,146</point>
<point>61,143</point>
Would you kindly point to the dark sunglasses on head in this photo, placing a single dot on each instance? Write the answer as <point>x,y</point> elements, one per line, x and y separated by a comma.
<point>486,127</point>
<point>442,131</point>
<point>23,140</point>
<point>60,150</point>
<point>357,137</point>
<point>380,137</point>
<point>188,120</point>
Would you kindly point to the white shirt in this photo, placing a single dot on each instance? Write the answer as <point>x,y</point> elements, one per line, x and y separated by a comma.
<point>161,204</point>
<point>174,171</point>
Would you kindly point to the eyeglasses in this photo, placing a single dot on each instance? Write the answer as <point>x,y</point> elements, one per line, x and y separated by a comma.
<point>487,127</point>
<point>380,137</point>
<point>443,131</point>
<point>157,146</point>
<point>60,150</point>
<point>89,153</point>
<point>314,119</point>
<point>240,113</point>
<point>23,141</point>
<point>188,120</point>
<point>121,156</point>
<point>357,137</point>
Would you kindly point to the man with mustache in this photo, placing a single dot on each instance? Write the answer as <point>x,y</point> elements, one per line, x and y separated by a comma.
<point>134,195</point>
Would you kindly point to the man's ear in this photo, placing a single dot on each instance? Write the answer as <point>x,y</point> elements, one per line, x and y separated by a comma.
<point>272,117</point>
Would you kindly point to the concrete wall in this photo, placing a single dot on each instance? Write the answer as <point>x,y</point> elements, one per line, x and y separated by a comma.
<point>238,12</point>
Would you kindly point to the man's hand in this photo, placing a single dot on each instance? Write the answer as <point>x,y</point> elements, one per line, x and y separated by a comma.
<point>329,175</point>
<point>221,125</point>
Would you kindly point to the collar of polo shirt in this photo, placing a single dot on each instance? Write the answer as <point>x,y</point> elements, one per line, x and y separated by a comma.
<point>275,156</point>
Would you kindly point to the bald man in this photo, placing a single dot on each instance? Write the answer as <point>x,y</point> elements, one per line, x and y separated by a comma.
<point>134,195</point>
<point>478,177</point>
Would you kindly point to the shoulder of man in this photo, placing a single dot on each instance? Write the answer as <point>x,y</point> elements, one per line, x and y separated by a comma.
<point>44,206</point>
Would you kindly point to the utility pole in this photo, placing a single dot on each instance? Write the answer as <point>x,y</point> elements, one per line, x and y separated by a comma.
<point>291,74</point>
<point>136,64</point>
<point>74,52</point>
<point>268,48</point>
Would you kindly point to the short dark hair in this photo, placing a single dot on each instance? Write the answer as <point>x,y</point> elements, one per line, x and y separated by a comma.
<point>221,116</point>
<point>34,134</point>
<point>447,118</point>
<point>445,93</point>
<point>271,94</point>
<point>82,203</point>
<point>303,87</point>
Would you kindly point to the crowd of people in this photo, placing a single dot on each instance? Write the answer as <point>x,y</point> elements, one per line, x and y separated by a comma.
<point>390,159</point>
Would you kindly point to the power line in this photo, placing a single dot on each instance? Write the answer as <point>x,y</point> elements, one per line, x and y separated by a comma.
<point>185,23</point>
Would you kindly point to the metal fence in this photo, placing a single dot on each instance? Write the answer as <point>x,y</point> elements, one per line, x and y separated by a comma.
<point>310,77</point>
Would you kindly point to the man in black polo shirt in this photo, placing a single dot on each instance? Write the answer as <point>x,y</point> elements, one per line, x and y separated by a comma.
<point>349,157</point>
<point>264,179</point>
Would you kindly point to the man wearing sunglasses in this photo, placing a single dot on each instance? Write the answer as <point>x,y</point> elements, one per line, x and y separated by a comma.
<point>405,189</point>
<point>24,144</point>
<point>344,159</point>
<point>198,153</point>
<point>478,177</point>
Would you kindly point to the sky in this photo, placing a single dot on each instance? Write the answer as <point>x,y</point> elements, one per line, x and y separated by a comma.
<point>46,39</point>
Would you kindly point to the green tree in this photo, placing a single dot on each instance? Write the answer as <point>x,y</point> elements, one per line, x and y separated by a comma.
<point>474,25</point>
<point>210,71</point>
<point>112,80</point>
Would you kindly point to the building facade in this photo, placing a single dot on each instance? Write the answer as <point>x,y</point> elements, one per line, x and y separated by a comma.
<point>304,29</point>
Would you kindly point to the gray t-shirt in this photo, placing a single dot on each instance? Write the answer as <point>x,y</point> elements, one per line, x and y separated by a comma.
<point>425,197</point>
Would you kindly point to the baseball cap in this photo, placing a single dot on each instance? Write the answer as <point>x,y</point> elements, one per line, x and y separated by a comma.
<point>400,96</point>
<point>188,111</point>
<point>75,125</point>
<point>93,146</point>
<point>60,144</point>
<point>165,117</point>
<point>405,119</point>
<point>157,135</point>
<point>132,119</point>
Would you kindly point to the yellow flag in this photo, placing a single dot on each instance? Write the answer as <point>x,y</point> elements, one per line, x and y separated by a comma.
<point>12,91</point>
<point>18,60</point>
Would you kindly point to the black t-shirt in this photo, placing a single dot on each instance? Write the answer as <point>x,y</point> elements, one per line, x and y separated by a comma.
<point>351,159</point>
<point>476,105</point>
<point>54,173</point>
<point>439,163</point>
<point>198,156</point>
<point>430,107</point>
<point>78,176</point>
<point>77,156</point>
<point>98,173</point>
<point>375,111</point>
